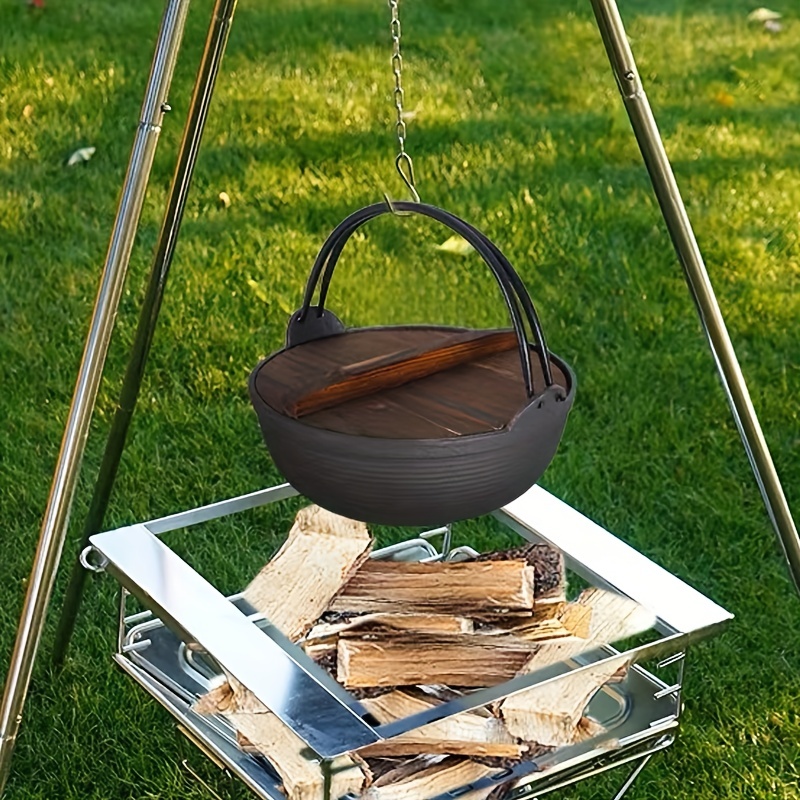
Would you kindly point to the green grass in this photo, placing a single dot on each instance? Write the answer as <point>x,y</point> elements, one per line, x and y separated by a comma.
<point>518,128</point>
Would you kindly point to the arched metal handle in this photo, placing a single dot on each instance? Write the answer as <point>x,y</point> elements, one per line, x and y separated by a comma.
<point>511,286</point>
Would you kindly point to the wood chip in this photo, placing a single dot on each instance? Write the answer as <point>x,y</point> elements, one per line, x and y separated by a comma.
<point>464,588</point>
<point>316,560</point>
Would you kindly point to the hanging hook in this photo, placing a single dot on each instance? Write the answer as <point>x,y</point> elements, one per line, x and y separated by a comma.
<point>404,160</point>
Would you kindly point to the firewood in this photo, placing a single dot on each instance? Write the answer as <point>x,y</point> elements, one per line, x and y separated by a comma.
<point>577,619</point>
<point>550,714</point>
<point>259,729</point>
<point>316,560</point>
<point>547,563</point>
<point>426,777</point>
<point>323,637</point>
<point>466,734</point>
<point>417,623</point>
<point>613,617</point>
<point>465,588</point>
<point>570,621</point>
<point>456,660</point>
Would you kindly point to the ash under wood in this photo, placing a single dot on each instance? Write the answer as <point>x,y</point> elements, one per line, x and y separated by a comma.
<point>405,637</point>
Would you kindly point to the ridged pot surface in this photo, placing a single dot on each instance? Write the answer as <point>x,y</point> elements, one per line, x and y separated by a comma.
<point>417,481</point>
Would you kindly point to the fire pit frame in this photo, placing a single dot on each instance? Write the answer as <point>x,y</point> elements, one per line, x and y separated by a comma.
<point>187,614</point>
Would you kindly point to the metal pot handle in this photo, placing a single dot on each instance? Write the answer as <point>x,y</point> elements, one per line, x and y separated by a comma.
<point>518,287</point>
<point>511,286</point>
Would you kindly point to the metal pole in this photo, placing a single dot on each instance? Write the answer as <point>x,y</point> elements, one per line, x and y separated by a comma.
<point>56,516</point>
<point>216,41</point>
<point>680,230</point>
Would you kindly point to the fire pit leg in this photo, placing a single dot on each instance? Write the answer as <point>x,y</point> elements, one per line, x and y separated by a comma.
<point>632,777</point>
<point>683,239</point>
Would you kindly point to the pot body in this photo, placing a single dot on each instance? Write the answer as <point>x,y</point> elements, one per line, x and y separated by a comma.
<point>417,481</point>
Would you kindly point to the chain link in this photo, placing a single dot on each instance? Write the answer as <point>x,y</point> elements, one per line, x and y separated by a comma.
<point>397,69</point>
<point>403,161</point>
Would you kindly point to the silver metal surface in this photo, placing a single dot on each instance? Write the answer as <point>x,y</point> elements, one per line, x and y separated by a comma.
<point>89,560</point>
<point>244,502</point>
<point>639,716</point>
<point>275,670</point>
<point>56,516</point>
<point>185,764</point>
<point>251,771</point>
<point>605,560</point>
<point>632,777</point>
<point>295,687</point>
<point>680,230</point>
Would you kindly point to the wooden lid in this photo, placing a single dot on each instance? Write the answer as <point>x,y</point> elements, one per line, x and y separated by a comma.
<point>415,382</point>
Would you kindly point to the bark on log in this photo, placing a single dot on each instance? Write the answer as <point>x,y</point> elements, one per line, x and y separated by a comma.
<point>320,554</point>
<point>465,588</point>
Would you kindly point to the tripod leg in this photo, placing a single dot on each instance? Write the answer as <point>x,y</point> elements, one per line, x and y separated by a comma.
<point>216,40</point>
<point>683,239</point>
<point>56,516</point>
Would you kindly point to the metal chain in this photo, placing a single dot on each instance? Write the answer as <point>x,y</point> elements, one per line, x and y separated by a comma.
<point>403,162</point>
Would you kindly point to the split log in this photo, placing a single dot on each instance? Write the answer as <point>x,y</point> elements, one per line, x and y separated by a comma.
<point>577,619</point>
<point>467,734</point>
<point>316,560</point>
<point>551,714</point>
<point>550,577</point>
<point>430,778</point>
<point>457,660</point>
<point>569,621</point>
<point>323,637</point>
<point>416,623</point>
<point>613,617</point>
<point>258,728</point>
<point>465,588</point>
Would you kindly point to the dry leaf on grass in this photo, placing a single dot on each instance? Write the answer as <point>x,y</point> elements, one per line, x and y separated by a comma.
<point>763,15</point>
<point>81,155</point>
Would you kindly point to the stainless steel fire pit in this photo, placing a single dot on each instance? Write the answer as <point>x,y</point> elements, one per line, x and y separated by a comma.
<point>177,648</point>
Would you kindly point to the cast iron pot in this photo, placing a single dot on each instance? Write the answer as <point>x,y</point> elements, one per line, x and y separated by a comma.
<point>356,457</point>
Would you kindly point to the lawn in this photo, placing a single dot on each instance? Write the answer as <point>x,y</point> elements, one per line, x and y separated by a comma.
<point>516,127</point>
